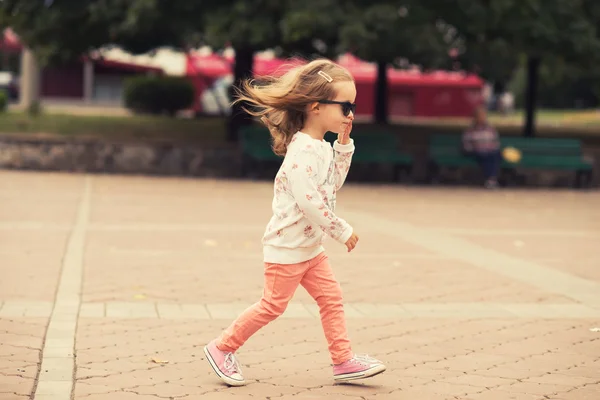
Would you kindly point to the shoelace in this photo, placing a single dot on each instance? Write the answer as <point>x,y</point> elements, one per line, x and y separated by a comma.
<point>366,358</point>
<point>231,364</point>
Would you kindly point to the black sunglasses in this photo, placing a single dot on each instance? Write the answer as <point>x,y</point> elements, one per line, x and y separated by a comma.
<point>346,106</point>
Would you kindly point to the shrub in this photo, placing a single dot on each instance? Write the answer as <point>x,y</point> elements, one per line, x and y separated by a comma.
<point>157,95</point>
<point>3,101</point>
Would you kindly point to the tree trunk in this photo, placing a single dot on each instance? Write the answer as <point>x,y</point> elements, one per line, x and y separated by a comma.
<point>242,70</point>
<point>381,94</point>
<point>533,68</point>
<point>29,91</point>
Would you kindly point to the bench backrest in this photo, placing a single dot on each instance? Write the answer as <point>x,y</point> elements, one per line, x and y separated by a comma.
<point>544,146</point>
<point>370,141</point>
<point>447,145</point>
<point>255,136</point>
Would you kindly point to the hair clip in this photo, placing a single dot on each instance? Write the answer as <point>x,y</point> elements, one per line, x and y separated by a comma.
<point>326,76</point>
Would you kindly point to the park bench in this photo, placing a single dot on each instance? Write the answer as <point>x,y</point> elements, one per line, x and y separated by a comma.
<point>373,149</point>
<point>257,153</point>
<point>445,151</point>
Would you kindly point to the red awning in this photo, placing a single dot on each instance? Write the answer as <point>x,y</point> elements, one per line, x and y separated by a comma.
<point>214,66</point>
<point>125,66</point>
<point>9,41</point>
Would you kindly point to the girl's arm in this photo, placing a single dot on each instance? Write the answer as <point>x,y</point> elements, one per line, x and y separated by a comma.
<point>305,189</point>
<point>343,150</point>
<point>342,154</point>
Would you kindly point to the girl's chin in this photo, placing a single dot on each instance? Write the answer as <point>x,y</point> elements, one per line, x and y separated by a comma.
<point>340,129</point>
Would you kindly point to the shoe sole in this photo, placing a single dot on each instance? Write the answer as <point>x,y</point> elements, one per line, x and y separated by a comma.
<point>376,370</point>
<point>224,378</point>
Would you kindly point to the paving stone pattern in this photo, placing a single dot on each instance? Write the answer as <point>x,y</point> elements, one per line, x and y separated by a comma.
<point>111,285</point>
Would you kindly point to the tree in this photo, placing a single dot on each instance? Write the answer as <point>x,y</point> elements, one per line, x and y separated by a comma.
<point>248,28</point>
<point>62,31</point>
<point>495,62</point>
<point>140,26</point>
<point>57,32</point>
<point>386,31</point>
<point>567,29</point>
<point>305,28</point>
<point>47,28</point>
<point>561,86</point>
<point>310,28</point>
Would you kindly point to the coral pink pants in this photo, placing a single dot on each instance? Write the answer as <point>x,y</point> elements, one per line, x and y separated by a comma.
<point>281,281</point>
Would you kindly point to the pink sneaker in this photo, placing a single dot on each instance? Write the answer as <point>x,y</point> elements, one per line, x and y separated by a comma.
<point>225,365</point>
<point>358,367</point>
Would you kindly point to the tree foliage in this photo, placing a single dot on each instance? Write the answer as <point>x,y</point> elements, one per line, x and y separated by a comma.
<point>63,30</point>
<point>385,31</point>
<point>561,31</point>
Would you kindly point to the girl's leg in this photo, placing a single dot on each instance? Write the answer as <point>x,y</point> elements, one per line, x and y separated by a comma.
<point>324,288</point>
<point>321,284</point>
<point>281,281</point>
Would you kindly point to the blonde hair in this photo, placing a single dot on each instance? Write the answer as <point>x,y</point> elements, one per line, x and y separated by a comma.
<point>281,102</point>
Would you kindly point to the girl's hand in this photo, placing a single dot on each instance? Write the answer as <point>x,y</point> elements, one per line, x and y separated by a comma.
<point>344,137</point>
<point>351,243</point>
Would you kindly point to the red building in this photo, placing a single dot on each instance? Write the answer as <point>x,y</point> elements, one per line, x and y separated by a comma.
<point>411,93</point>
<point>88,80</point>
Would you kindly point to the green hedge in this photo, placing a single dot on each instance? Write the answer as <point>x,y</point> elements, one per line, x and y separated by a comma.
<point>158,95</point>
<point>3,101</point>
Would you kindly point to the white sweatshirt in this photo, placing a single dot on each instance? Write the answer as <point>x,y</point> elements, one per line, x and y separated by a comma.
<point>304,200</point>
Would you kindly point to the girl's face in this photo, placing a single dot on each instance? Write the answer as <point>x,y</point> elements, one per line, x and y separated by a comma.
<point>332,115</point>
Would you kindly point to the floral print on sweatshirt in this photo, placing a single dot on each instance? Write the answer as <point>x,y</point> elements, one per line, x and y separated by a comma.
<point>304,200</point>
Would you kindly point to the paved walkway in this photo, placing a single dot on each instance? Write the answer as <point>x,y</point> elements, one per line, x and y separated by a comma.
<point>111,285</point>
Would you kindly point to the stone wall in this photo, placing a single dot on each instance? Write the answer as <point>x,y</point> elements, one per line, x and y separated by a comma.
<point>92,155</point>
<point>52,153</point>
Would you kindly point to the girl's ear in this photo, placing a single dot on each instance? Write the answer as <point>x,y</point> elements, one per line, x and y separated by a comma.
<point>314,107</point>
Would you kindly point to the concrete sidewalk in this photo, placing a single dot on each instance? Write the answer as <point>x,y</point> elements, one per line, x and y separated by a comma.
<point>110,286</point>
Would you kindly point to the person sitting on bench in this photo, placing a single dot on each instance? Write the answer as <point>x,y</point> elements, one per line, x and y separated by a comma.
<point>481,142</point>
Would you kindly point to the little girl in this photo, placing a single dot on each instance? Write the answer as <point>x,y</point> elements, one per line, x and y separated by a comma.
<point>299,108</point>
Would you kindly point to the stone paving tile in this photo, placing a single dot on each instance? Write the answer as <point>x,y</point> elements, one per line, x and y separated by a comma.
<point>20,346</point>
<point>475,208</point>
<point>155,240</point>
<point>555,251</point>
<point>586,392</point>
<point>21,193</point>
<point>141,260</point>
<point>25,308</point>
<point>421,280</point>
<point>140,202</point>
<point>297,309</point>
<point>459,359</point>
<point>22,252</point>
<point>586,268</point>
<point>12,396</point>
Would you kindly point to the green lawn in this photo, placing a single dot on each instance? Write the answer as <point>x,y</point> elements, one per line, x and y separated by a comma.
<point>580,120</point>
<point>205,130</point>
<point>212,130</point>
<point>554,118</point>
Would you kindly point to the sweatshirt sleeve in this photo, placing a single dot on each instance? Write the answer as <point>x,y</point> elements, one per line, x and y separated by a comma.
<point>342,154</point>
<point>305,189</point>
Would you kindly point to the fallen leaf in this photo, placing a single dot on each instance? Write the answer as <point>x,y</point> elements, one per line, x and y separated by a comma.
<point>159,361</point>
<point>210,243</point>
<point>139,296</point>
<point>595,330</point>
